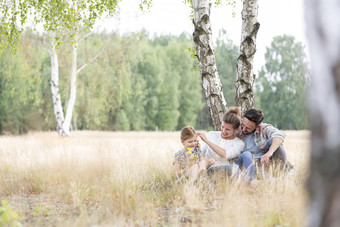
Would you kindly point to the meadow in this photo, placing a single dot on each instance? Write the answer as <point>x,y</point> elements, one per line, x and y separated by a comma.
<point>126,179</point>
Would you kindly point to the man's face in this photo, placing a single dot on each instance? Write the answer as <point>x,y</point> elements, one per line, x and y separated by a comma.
<point>247,126</point>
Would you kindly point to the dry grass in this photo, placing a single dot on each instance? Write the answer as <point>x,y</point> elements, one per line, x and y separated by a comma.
<point>126,179</point>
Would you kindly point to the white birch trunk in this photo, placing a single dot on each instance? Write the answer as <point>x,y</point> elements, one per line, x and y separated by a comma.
<point>73,87</point>
<point>211,83</point>
<point>58,109</point>
<point>73,92</point>
<point>323,32</point>
<point>246,77</point>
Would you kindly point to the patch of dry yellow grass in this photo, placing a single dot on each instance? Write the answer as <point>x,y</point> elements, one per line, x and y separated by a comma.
<point>113,178</point>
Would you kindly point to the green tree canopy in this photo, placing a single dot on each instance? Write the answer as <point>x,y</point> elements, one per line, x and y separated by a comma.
<point>282,83</point>
<point>55,15</point>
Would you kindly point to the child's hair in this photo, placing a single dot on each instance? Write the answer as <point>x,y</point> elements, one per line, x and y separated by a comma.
<point>233,117</point>
<point>187,132</point>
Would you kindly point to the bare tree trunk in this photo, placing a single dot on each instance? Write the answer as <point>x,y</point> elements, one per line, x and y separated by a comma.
<point>211,83</point>
<point>323,29</point>
<point>73,92</point>
<point>245,80</point>
<point>58,109</point>
<point>63,125</point>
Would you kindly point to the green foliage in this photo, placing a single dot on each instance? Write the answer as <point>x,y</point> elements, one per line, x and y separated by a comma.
<point>274,219</point>
<point>226,59</point>
<point>137,83</point>
<point>19,96</point>
<point>145,3</point>
<point>40,211</point>
<point>122,122</point>
<point>56,16</point>
<point>8,217</point>
<point>282,84</point>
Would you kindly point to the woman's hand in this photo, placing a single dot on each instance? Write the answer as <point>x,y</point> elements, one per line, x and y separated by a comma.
<point>202,136</point>
<point>211,161</point>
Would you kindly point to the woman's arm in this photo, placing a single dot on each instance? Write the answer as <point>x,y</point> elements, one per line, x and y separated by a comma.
<point>217,149</point>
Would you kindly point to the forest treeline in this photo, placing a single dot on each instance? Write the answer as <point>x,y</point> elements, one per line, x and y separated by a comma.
<point>140,82</point>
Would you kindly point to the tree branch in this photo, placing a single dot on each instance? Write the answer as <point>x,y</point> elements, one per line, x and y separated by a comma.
<point>92,60</point>
<point>84,37</point>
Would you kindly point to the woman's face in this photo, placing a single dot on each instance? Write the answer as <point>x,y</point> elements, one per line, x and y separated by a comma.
<point>227,131</point>
<point>191,142</point>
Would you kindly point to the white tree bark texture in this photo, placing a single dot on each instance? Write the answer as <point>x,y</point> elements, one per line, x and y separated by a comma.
<point>73,92</point>
<point>245,75</point>
<point>58,109</point>
<point>323,32</point>
<point>211,82</point>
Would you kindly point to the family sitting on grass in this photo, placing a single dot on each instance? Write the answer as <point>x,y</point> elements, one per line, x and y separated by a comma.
<point>234,151</point>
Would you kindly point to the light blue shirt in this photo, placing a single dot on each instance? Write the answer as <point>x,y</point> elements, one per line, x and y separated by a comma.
<point>250,145</point>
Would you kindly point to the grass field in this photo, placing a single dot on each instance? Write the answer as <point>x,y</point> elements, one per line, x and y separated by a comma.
<point>126,179</point>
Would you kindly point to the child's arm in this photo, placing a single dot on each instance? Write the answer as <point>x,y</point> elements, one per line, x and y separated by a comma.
<point>178,170</point>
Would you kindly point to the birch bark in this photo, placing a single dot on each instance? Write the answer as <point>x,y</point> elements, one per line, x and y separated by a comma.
<point>57,106</point>
<point>73,92</point>
<point>211,83</point>
<point>73,88</point>
<point>323,23</point>
<point>245,76</point>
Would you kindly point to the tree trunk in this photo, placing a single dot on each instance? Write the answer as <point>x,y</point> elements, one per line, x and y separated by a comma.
<point>73,92</point>
<point>245,80</point>
<point>323,23</point>
<point>58,109</point>
<point>211,83</point>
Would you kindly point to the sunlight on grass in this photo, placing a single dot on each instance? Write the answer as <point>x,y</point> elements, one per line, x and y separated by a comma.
<point>112,178</point>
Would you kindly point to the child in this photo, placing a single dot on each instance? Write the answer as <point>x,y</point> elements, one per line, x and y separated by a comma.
<point>189,161</point>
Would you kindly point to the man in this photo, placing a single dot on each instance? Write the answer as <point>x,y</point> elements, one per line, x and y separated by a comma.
<point>262,140</point>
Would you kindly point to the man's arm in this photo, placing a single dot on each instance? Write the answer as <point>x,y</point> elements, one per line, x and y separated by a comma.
<point>276,142</point>
<point>272,132</point>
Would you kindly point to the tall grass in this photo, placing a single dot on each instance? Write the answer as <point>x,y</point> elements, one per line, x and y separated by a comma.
<point>126,179</point>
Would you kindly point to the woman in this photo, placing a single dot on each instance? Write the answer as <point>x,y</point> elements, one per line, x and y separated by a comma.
<point>224,146</point>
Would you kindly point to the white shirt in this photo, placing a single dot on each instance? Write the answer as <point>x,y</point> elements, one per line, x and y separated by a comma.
<point>232,147</point>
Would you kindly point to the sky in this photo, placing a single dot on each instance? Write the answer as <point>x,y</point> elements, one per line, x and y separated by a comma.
<point>276,17</point>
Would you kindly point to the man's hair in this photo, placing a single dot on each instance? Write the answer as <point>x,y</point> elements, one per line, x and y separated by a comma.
<point>254,115</point>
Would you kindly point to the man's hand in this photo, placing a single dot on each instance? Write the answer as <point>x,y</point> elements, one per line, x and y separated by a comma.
<point>275,144</point>
<point>266,158</point>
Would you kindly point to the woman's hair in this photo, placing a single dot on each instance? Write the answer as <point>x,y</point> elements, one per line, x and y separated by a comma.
<point>254,115</point>
<point>233,117</point>
<point>187,132</point>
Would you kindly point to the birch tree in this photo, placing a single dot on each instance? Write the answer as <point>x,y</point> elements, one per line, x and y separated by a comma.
<point>56,16</point>
<point>245,75</point>
<point>323,23</point>
<point>210,79</point>
<point>66,123</point>
<point>57,106</point>
<point>211,83</point>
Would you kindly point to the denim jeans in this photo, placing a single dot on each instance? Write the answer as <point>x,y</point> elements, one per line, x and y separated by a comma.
<point>244,162</point>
